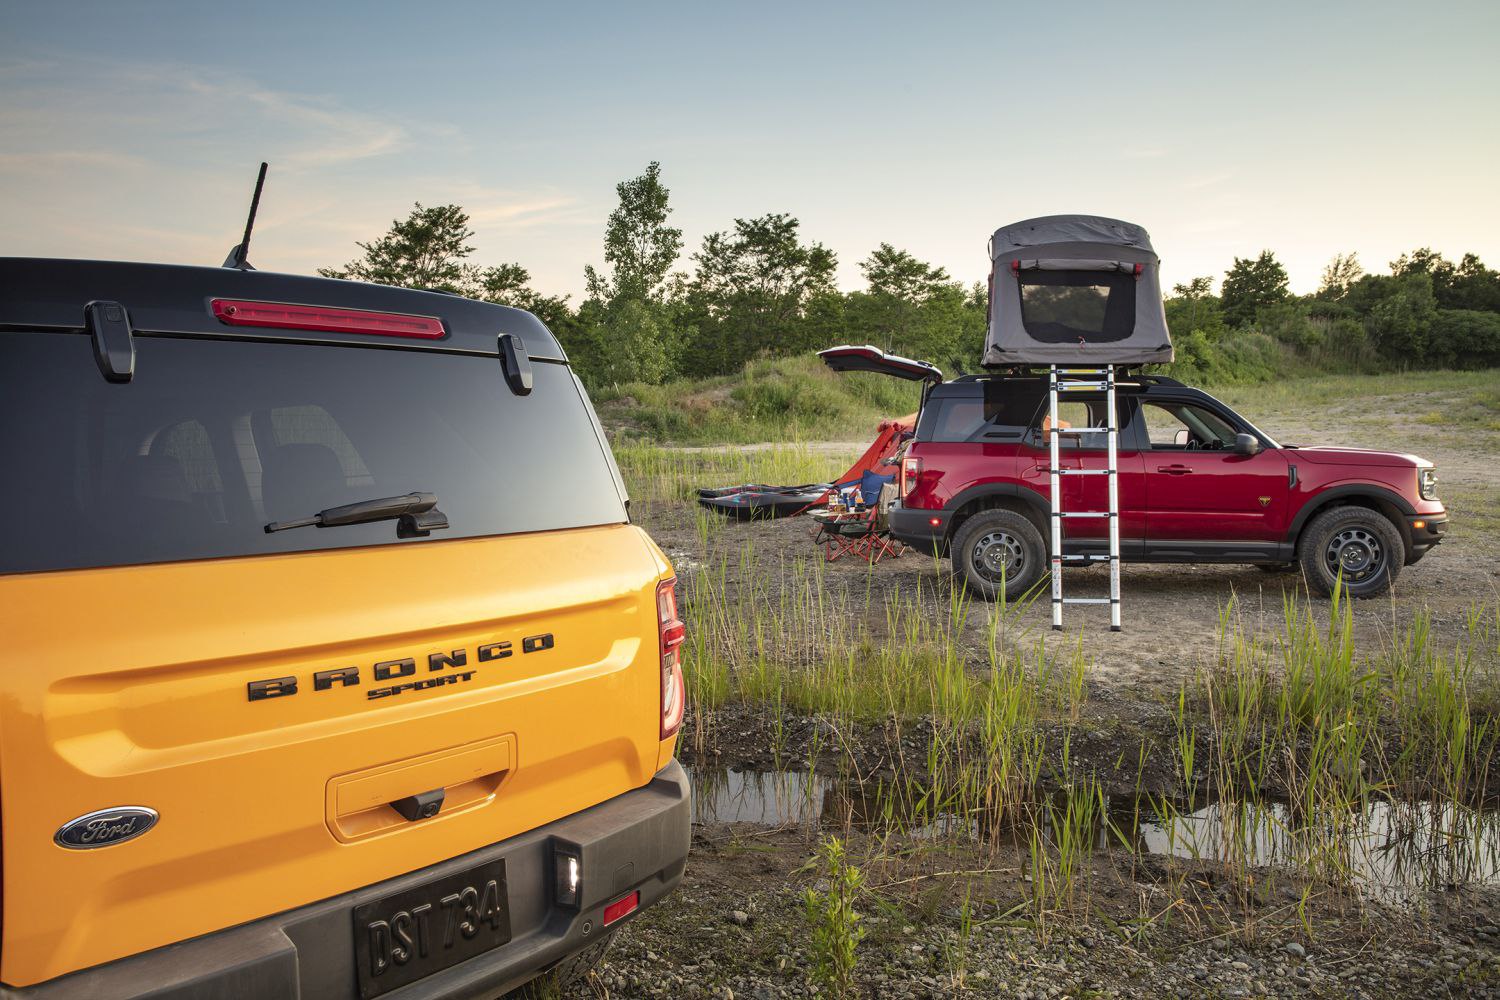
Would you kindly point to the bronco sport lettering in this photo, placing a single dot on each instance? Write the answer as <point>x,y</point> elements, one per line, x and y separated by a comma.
<point>323,680</point>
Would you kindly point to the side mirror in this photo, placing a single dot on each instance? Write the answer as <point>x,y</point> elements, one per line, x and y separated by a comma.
<point>1181,438</point>
<point>1246,444</point>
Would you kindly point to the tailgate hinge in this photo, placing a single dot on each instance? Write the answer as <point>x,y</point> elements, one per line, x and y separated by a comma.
<point>114,344</point>
<point>517,364</point>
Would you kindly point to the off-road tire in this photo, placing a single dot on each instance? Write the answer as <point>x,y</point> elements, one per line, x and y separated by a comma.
<point>993,539</point>
<point>1360,541</point>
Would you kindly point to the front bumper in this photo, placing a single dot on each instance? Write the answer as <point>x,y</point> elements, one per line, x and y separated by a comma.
<point>915,527</point>
<point>1431,531</point>
<point>638,840</point>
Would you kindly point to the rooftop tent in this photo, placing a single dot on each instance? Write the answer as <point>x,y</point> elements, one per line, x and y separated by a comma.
<point>1075,289</point>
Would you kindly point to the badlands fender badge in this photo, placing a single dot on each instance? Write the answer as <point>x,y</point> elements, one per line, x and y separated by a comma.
<point>105,827</point>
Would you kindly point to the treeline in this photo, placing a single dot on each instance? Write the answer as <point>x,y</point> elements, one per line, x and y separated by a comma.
<point>761,289</point>
<point>1428,312</point>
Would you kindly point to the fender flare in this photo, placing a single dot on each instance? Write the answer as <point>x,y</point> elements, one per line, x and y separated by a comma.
<point>1320,501</point>
<point>1029,498</point>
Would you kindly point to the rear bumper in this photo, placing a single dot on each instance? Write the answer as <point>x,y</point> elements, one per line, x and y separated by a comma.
<point>914,527</point>
<point>1433,528</point>
<point>636,841</point>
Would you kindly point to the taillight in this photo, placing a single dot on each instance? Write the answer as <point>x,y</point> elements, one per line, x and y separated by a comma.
<point>284,316</point>
<point>673,632</point>
<point>910,469</point>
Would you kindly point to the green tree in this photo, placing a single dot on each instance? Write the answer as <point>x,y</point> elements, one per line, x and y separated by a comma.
<point>428,249</point>
<point>1474,286</point>
<point>627,329</point>
<point>1193,294</point>
<point>1423,260</point>
<point>639,246</point>
<point>1400,322</point>
<point>1339,276</point>
<point>1251,284</point>
<point>1466,338</point>
<point>623,340</point>
<point>751,291</point>
<point>899,275</point>
<point>910,307</point>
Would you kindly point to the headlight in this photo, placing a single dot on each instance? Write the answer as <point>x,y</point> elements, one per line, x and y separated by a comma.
<point>1427,483</point>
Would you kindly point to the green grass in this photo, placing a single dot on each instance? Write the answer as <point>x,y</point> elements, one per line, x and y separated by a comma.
<point>1467,396</point>
<point>788,399</point>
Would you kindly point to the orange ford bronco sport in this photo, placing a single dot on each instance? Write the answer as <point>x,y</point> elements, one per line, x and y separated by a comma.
<point>334,665</point>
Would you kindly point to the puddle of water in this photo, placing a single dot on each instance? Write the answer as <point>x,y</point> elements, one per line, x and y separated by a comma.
<point>1391,850</point>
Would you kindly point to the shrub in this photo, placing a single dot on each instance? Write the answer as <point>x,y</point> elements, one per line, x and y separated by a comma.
<point>1466,338</point>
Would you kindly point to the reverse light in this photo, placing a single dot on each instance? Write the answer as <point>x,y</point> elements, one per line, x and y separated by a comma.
<point>286,316</point>
<point>673,633</point>
<point>567,877</point>
<point>622,908</point>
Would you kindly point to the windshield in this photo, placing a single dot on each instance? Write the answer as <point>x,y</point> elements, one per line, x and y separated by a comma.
<point>214,438</point>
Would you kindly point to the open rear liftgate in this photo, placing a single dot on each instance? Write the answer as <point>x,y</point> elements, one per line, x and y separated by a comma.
<point>1062,380</point>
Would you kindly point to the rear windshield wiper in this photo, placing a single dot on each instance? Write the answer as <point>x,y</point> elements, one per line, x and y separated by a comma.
<point>416,511</point>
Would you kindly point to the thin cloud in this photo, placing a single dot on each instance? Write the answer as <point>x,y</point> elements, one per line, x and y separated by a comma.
<point>49,162</point>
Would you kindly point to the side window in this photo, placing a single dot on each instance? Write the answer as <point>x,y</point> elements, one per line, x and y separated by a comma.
<point>1185,427</point>
<point>956,419</point>
<point>1072,414</point>
<point>1000,414</point>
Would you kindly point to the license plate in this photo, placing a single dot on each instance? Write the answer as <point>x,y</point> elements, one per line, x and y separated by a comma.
<point>425,929</point>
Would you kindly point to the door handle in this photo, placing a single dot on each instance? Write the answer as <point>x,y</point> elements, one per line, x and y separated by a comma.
<point>1174,470</point>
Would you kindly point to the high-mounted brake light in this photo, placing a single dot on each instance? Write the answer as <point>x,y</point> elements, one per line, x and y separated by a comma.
<point>285,316</point>
<point>673,633</point>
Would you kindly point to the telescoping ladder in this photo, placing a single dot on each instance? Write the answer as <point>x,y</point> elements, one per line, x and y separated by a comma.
<point>1063,380</point>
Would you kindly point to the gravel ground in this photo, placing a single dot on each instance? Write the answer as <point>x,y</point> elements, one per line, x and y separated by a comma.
<point>736,929</point>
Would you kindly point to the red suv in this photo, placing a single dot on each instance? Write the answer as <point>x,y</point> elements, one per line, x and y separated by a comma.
<point>1197,483</point>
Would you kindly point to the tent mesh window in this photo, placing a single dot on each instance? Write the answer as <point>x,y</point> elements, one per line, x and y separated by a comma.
<point>1073,307</point>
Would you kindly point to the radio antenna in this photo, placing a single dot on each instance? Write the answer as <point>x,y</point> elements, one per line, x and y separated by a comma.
<point>238,257</point>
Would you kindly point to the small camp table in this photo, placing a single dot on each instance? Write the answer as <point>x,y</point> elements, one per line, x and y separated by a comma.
<point>843,532</point>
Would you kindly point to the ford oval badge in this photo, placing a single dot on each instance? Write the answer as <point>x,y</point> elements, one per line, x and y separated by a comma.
<point>105,827</point>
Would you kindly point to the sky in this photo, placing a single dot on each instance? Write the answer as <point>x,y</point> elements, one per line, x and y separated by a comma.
<point>133,130</point>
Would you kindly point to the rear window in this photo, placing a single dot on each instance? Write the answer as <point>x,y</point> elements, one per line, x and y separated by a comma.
<point>1071,307</point>
<point>215,438</point>
<point>992,410</point>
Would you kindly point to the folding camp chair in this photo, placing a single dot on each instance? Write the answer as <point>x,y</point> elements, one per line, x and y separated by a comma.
<point>865,533</point>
